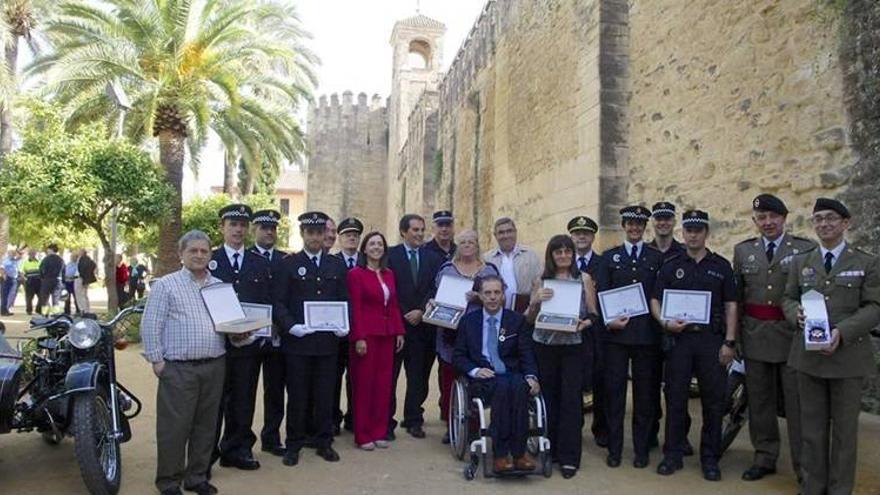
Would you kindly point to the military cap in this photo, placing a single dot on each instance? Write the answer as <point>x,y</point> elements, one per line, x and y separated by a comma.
<point>695,218</point>
<point>663,209</point>
<point>236,212</point>
<point>266,217</point>
<point>831,204</point>
<point>635,212</point>
<point>582,223</point>
<point>769,202</point>
<point>443,216</point>
<point>350,224</point>
<point>313,219</point>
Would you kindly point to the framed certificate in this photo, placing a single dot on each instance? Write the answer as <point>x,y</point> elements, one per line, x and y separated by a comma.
<point>254,310</point>
<point>692,306</point>
<point>561,312</point>
<point>623,301</point>
<point>817,330</point>
<point>226,311</point>
<point>450,301</point>
<point>326,316</point>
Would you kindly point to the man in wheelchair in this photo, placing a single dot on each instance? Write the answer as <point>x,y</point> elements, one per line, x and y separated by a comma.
<point>493,348</point>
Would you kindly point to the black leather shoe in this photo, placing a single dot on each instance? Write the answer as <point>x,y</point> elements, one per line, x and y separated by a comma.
<point>640,462</point>
<point>755,473</point>
<point>291,458</point>
<point>203,488</point>
<point>390,436</point>
<point>668,466</point>
<point>277,450</point>
<point>711,473</point>
<point>612,461</point>
<point>171,491</point>
<point>568,471</point>
<point>416,431</point>
<point>328,454</point>
<point>243,463</point>
<point>688,449</point>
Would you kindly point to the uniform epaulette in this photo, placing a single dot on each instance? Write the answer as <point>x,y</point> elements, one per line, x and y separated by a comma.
<point>806,251</point>
<point>672,257</point>
<point>747,241</point>
<point>653,247</point>
<point>866,253</point>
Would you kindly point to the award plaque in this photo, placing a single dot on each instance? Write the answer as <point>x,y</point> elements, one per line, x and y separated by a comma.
<point>560,313</point>
<point>226,311</point>
<point>817,330</point>
<point>450,302</point>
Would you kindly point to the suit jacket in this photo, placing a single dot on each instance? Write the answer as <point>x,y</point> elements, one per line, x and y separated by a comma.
<point>618,269</point>
<point>51,266</point>
<point>516,349</point>
<point>761,285</point>
<point>298,280</point>
<point>251,284</point>
<point>370,316</point>
<point>852,298</point>
<point>413,295</point>
<point>360,260</point>
<point>86,267</point>
<point>593,265</point>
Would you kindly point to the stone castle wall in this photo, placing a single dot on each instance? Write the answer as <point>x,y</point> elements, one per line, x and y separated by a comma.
<point>416,171</point>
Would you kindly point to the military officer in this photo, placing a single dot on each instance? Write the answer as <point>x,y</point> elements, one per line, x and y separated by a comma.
<point>444,233</point>
<point>699,349</point>
<point>830,381</point>
<point>630,341</point>
<point>582,230</point>
<point>349,233</point>
<point>250,276</point>
<point>310,356</point>
<point>761,265</point>
<point>265,231</point>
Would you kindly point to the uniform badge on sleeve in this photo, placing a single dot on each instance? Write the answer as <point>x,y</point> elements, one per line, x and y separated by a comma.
<point>212,265</point>
<point>301,271</point>
<point>679,274</point>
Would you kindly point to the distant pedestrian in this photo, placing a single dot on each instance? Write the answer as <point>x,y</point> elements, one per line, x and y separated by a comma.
<point>71,273</point>
<point>11,276</point>
<point>121,280</point>
<point>50,274</point>
<point>86,268</point>
<point>31,270</point>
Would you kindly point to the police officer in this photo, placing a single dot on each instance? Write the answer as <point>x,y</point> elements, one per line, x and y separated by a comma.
<point>663,221</point>
<point>583,231</point>
<point>631,341</point>
<point>761,265</point>
<point>265,231</point>
<point>249,275</point>
<point>310,356</point>
<point>31,270</point>
<point>830,381</point>
<point>444,233</point>
<point>349,234</point>
<point>699,349</point>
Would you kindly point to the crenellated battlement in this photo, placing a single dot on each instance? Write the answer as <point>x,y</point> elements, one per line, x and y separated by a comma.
<point>337,111</point>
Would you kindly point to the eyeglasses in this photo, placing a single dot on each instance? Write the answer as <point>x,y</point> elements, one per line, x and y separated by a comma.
<point>830,219</point>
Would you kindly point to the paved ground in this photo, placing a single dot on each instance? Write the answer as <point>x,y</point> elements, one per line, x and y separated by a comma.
<point>28,466</point>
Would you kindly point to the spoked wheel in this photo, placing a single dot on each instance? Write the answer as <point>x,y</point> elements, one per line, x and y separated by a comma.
<point>96,449</point>
<point>738,404</point>
<point>458,422</point>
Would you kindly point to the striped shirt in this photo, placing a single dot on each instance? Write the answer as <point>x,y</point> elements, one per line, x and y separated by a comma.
<point>176,325</point>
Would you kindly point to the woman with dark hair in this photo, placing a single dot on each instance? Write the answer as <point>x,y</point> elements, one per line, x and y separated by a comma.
<point>376,334</point>
<point>561,355</point>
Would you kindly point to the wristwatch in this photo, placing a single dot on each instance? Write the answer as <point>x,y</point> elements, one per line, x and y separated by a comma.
<point>730,343</point>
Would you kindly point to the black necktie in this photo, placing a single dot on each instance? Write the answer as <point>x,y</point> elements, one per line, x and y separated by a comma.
<point>582,264</point>
<point>315,260</point>
<point>771,250</point>
<point>414,265</point>
<point>634,253</point>
<point>351,262</point>
<point>268,255</point>
<point>829,257</point>
<point>235,265</point>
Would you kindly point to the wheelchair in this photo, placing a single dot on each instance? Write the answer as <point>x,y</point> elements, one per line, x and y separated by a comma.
<point>469,434</point>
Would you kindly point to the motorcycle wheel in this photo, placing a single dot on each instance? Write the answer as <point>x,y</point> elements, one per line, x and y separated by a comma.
<point>737,408</point>
<point>97,452</point>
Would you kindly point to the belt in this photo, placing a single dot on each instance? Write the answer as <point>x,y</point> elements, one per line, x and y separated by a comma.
<point>194,362</point>
<point>766,312</point>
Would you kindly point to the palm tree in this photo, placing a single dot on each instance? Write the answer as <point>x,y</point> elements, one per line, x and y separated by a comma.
<point>237,67</point>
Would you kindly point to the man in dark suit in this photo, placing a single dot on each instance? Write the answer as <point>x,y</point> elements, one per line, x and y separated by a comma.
<point>493,347</point>
<point>50,273</point>
<point>265,230</point>
<point>349,235</point>
<point>414,272</point>
<point>310,356</point>
<point>250,276</point>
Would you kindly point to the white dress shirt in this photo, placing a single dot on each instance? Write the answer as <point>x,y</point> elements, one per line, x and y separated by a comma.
<point>629,247</point>
<point>836,252</point>
<point>231,251</point>
<point>316,256</point>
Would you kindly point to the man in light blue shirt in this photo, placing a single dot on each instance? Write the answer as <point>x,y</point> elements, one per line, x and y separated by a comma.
<point>10,282</point>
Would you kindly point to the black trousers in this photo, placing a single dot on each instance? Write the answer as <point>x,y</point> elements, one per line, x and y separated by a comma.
<point>417,358</point>
<point>47,287</point>
<point>310,383</point>
<point>272,360</point>
<point>618,358</point>
<point>594,379</point>
<point>658,407</point>
<point>560,368</point>
<point>695,353</point>
<point>508,396</point>
<point>341,367</point>
<point>242,377</point>
<point>31,290</point>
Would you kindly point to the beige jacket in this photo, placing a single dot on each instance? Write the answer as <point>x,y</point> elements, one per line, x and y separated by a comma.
<point>526,265</point>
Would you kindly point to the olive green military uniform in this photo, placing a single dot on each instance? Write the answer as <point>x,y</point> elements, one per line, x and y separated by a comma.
<point>766,342</point>
<point>830,387</point>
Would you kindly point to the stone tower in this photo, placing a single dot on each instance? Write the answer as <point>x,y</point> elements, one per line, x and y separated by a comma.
<point>348,156</point>
<point>417,44</point>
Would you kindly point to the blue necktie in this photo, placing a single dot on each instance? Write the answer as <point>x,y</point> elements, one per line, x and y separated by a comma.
<point>494,358</point>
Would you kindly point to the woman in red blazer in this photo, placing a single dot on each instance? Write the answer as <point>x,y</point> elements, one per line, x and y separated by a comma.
<point>376,334</point>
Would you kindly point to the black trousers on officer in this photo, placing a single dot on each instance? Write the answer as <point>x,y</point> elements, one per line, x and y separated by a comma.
<point>272,360</point>
<point>417,358</point>
<point>242,377</point>
<point>47,287</point>
<point>594,380</point>
<point>560,368</point>
<point>695,353</point>
<point>31,290</point>
<point>341,366</point>
<point>310,384</point>
<point>644,365</point>
<point>508,396</point>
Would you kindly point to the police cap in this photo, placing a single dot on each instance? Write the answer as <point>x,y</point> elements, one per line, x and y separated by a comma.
<point>581,222</point>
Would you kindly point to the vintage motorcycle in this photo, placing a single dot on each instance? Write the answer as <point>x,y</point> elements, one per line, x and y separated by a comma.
<point>62,382</point>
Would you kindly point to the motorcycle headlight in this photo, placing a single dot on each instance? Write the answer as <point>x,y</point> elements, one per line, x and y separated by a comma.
<point>84,334</point>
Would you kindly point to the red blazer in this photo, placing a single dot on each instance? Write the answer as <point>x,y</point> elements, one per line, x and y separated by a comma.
<point>369,314</point>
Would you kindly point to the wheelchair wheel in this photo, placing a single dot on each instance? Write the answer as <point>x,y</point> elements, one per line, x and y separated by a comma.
<point>459,436</point>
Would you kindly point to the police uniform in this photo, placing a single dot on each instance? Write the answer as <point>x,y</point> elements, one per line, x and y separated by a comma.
<point>272,359</point>
<point>830,386</point>
<point>250,276</point>
<point>696,352</point>
<point>346,225</point>
<point>761,267</point>
<point>637,345</point>
<point>310,359</point>
<point>442,216</point>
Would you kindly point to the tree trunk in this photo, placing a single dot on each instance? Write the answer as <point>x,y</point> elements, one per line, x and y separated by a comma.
<point>230,169</point>
<point>171,155</point>
<point>11,53</point>
<point>109,274</point>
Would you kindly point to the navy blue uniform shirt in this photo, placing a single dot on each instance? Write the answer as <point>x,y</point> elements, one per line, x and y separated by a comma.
<point>713,273</point>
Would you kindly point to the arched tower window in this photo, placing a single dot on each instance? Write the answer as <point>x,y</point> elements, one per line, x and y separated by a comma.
<point>419,55</point>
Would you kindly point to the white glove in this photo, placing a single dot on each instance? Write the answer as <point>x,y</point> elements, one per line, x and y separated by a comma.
<point>340,332</point>
<point>300,330</point>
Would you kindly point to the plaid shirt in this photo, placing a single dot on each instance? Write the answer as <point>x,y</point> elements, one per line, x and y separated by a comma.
<point>176,325</point>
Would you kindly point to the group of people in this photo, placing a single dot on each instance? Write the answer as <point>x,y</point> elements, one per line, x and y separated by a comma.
<point>44,278</point>
<point>207,381</point>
